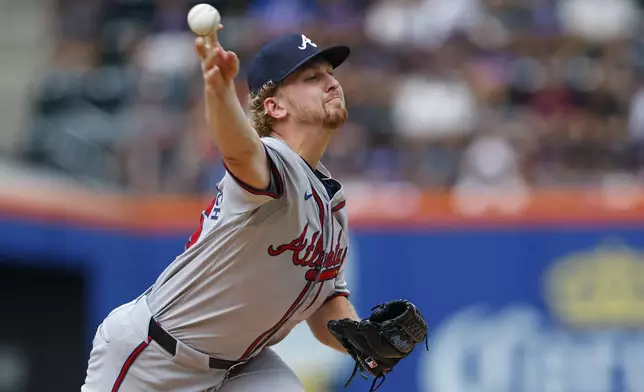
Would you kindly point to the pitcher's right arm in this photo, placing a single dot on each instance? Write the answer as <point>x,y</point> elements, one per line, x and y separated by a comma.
<point>241,148</point>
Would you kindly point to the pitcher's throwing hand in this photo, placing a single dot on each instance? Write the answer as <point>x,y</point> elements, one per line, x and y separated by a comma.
<point>219,66</point>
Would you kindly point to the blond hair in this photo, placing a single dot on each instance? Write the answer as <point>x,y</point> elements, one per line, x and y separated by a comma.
<point>261,121</point>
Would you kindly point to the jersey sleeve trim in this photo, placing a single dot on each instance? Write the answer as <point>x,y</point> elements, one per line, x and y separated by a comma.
<point>339,206</point>
<point>275,189</point>
<point>336,294</point>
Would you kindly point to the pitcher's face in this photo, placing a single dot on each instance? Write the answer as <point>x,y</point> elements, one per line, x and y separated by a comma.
<point>312,95</point>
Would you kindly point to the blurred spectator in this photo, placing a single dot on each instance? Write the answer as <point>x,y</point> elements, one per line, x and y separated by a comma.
<point>441,93</point>
<point>274,17</point>
<point>598,20</point>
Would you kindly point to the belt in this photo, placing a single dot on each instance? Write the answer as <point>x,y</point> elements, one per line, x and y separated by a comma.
<point>169,344</point>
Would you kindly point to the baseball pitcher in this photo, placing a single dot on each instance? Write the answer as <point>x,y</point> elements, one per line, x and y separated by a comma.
<point>269,251</point>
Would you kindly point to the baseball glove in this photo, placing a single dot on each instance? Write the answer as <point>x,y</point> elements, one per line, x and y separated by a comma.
<point>379,342</point>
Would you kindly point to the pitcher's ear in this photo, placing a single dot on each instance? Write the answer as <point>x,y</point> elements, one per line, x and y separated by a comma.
<point>274,108</point>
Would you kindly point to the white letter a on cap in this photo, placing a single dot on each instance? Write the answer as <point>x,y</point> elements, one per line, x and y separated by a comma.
<point>306,41</point>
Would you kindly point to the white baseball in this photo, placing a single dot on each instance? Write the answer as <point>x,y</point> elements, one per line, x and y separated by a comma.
<point>203,19</point>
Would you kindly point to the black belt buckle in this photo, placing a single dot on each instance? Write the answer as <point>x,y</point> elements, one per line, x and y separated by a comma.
<point>235,370</point>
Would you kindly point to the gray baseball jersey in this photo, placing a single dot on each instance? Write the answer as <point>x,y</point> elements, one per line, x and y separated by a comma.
<point>260,263</point>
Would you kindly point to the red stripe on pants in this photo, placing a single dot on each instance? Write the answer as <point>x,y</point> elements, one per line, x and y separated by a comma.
<point>128,363</point>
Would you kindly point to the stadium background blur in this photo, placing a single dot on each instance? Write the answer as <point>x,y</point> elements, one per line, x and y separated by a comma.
<point>493,160</point>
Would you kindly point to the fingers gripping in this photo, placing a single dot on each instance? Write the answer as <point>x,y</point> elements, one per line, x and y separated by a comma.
<point>208,42</point>
<point>217,65</point>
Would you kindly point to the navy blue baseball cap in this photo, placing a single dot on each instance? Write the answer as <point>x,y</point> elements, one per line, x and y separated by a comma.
<point>282,56</point>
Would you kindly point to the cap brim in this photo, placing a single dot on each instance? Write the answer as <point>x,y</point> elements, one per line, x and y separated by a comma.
<point>335,55</point>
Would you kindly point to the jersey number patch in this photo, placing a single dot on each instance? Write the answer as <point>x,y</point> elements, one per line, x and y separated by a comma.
<point>211,212</point>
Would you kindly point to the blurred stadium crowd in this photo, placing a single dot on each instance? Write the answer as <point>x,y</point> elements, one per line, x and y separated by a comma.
<point>441,93</point>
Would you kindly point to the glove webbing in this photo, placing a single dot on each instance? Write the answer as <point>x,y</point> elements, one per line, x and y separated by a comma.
<point>416,324</point>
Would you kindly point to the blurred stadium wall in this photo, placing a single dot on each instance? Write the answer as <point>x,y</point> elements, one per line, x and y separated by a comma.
<point>493,165</point>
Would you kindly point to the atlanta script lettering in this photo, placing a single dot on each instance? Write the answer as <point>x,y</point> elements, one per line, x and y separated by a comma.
<point>312,254</point>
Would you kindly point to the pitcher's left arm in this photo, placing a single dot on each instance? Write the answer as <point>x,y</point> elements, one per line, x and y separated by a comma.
<point>335,308</point>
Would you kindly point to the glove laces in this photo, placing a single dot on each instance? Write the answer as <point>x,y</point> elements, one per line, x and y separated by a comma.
<point>377,381</point>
